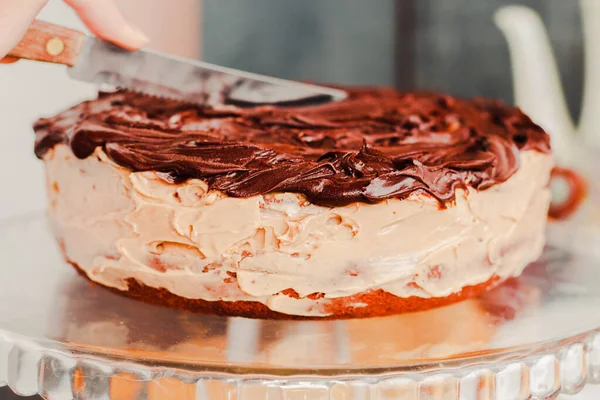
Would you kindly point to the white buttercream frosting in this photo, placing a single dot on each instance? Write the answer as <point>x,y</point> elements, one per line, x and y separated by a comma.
<point>200,244</point>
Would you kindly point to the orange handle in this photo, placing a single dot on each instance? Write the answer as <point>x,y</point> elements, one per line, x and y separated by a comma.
<point>50,43</point>
<point>577,193</point>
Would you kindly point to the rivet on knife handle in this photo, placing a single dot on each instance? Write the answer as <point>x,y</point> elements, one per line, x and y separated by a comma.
<point>51,43</point>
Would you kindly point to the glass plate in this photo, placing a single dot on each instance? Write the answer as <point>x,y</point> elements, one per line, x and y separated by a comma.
<point>63,337</point>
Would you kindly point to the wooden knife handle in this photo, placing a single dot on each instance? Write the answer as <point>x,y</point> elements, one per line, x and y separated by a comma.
<point>50,43</point>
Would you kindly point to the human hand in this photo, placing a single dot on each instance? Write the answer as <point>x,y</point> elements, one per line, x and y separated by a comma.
<point>102,17</point>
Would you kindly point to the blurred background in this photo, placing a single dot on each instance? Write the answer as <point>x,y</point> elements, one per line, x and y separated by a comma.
<point>446,45</point>
<point>443,45</point>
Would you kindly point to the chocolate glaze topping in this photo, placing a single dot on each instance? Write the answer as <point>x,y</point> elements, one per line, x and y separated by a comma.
<point>377,144</point>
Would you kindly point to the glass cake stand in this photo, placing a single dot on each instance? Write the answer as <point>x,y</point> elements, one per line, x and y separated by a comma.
<point>63,337</point>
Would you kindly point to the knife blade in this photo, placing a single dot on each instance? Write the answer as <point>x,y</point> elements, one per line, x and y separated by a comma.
<point>94,60</point>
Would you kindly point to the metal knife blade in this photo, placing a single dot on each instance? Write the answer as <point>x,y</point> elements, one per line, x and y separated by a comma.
<point>191,81</point>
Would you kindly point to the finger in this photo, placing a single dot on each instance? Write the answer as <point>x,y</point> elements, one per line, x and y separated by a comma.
<point>15,18</point>
<point>8,60</point>
<point>105,20</point>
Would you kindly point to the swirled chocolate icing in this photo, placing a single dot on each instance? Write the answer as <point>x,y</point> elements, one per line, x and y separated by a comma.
<point>377,144</point>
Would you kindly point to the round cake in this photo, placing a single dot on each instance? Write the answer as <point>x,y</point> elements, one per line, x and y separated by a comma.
<point>382,203</point>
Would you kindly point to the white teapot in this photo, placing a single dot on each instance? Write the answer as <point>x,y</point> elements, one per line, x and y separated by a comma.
<point>537,86</point>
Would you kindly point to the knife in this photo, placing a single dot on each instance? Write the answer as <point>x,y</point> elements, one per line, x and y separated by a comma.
<point>94,60</point>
